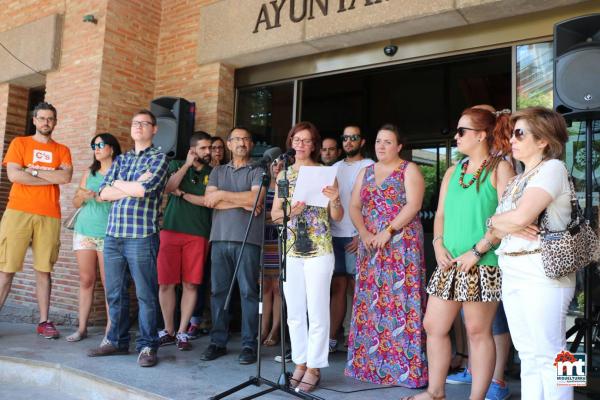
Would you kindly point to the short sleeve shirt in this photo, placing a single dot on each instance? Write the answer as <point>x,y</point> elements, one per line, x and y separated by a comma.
<point>230,225</point>
<point>552,177</point>
<point>181,215</point>
<point>27,152</point>
<point>346,177</point>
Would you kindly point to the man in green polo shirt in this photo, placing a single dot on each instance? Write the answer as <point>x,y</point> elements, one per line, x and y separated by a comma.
<point>184,238</point>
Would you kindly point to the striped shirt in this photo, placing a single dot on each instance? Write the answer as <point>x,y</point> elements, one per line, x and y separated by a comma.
<point>137,217</point>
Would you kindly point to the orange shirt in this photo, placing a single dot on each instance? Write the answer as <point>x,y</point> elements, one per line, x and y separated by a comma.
<point>42,200</point>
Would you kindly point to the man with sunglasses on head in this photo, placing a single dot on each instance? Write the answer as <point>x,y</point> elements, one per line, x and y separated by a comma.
<point>35,165</point>
<point>344,235</point>
<point>232,190</point>
<point>134,184</point>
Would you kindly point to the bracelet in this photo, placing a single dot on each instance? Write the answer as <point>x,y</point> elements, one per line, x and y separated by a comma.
<point>435,239</point>
<point>475,252</point>
<point>390,229</point>
<point>337,203</point>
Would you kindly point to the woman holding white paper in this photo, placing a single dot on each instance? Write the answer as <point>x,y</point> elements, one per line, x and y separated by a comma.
<point>309,263</point>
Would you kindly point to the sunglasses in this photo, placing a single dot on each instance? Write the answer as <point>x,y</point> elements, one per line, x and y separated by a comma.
<point>99,145</point>
<point>519,134</point>
<point>460,131</point>
<point>353,138</point>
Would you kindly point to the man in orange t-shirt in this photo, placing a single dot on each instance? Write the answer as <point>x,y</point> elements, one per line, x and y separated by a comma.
<point>35,165</point>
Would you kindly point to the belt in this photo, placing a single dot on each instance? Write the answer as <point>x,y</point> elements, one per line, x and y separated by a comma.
<point>521,253</point>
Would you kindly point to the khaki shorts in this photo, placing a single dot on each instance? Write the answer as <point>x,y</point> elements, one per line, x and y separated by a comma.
<point>18,230</point>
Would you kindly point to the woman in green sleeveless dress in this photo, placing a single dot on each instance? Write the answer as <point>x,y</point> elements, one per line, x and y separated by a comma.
<point>90,227</point>
<point>467,275</point>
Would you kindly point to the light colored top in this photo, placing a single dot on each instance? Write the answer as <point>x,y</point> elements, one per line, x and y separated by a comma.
<point>552,177</point>
<point>92,220</point>
<point>346,176</point>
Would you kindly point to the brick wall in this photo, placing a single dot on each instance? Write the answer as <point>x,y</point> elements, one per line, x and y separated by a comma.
<point>137,51</point>
<point>178,74</point>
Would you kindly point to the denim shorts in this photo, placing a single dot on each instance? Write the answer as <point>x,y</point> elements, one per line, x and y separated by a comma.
<point>345,262</point>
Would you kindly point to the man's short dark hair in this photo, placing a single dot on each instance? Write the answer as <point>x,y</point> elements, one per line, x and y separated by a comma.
<point>336,140</point>
<point>198,136</point>
<point>243,128</point>
<point>354,126</point>
<point>148,113</point>
<point>44,106</point>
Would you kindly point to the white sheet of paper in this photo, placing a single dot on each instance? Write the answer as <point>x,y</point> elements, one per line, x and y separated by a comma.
<point>310,184</point>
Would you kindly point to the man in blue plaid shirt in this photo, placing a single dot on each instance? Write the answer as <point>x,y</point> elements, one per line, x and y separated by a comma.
<point>134,184</point>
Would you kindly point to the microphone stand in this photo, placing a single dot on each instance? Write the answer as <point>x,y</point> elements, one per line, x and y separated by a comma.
<point>283,380</point>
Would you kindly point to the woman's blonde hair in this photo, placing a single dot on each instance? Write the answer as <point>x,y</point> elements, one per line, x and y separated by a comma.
<point>545,124</point>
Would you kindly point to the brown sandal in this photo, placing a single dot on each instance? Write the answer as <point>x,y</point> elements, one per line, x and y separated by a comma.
<point>431,397</point>
<point>308,386</point>
<point>297,375</point>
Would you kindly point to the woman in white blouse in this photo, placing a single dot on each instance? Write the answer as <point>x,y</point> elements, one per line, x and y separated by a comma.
<point>535,305</point>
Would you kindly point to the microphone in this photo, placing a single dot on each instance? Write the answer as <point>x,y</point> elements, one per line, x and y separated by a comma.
<point>285,156</point>
<point>268,156</point>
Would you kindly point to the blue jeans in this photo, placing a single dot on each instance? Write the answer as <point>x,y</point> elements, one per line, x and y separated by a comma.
<point>137,257</point>
<point>345,261</point>
<point>224,256</point>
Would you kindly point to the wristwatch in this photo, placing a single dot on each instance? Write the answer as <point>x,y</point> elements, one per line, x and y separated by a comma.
<point>34,172</point>
<point>489,223</point>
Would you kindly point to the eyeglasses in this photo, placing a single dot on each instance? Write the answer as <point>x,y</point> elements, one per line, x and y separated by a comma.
<point>44,119</point>
<point>519,134</point>
<point>306,142</point>
<point>244,139</point>
<point>99,145</point>
<point>141,124</point>
<point>460,131</point>
<point>352,138</point>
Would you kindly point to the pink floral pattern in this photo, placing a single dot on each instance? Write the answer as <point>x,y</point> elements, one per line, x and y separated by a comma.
<point>387,341</point>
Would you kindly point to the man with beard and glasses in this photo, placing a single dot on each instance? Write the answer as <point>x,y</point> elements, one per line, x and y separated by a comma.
<point>184,238</point>
<point>232,190</point>
<point>344,235</point>
<point>35,165</point>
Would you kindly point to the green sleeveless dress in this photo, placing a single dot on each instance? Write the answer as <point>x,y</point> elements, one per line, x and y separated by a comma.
<point>465,213</point>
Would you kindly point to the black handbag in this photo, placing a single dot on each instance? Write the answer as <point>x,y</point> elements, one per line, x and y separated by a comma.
<point>569,250</point>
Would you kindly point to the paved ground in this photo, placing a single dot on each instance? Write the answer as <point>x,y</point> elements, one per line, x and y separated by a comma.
<point>180,375</point>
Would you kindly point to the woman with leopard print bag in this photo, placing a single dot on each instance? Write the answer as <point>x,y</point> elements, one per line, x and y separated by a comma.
<point>535,304</point>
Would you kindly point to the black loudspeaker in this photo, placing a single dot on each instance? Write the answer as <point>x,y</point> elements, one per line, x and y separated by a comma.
<point>577,67</point>
<point>175,121</point>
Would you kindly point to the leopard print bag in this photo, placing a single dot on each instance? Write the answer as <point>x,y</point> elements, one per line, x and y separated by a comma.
<point>567,251</point>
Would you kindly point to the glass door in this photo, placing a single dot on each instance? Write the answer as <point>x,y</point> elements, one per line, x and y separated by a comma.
<point>433,157</point>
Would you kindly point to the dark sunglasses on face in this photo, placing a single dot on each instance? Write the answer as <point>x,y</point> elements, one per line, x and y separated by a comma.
<point>519,134</point>
<point>99,145</point>
<point>460,131</point>
<point>353,138</point>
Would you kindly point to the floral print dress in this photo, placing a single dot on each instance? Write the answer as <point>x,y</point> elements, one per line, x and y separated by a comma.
<point>387,340</point>
<point>312,235</point>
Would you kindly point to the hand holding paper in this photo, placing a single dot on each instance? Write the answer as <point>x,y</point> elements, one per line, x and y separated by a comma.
<point>311,184</point>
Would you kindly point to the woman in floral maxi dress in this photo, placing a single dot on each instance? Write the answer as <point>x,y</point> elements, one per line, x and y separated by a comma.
<point>386,343</point>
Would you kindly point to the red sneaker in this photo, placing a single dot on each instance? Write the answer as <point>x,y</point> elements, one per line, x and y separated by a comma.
<point>47,330</point>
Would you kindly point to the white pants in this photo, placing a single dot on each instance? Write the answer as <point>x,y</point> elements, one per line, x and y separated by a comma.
<point>536,319</point>
<point>306,289</point>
